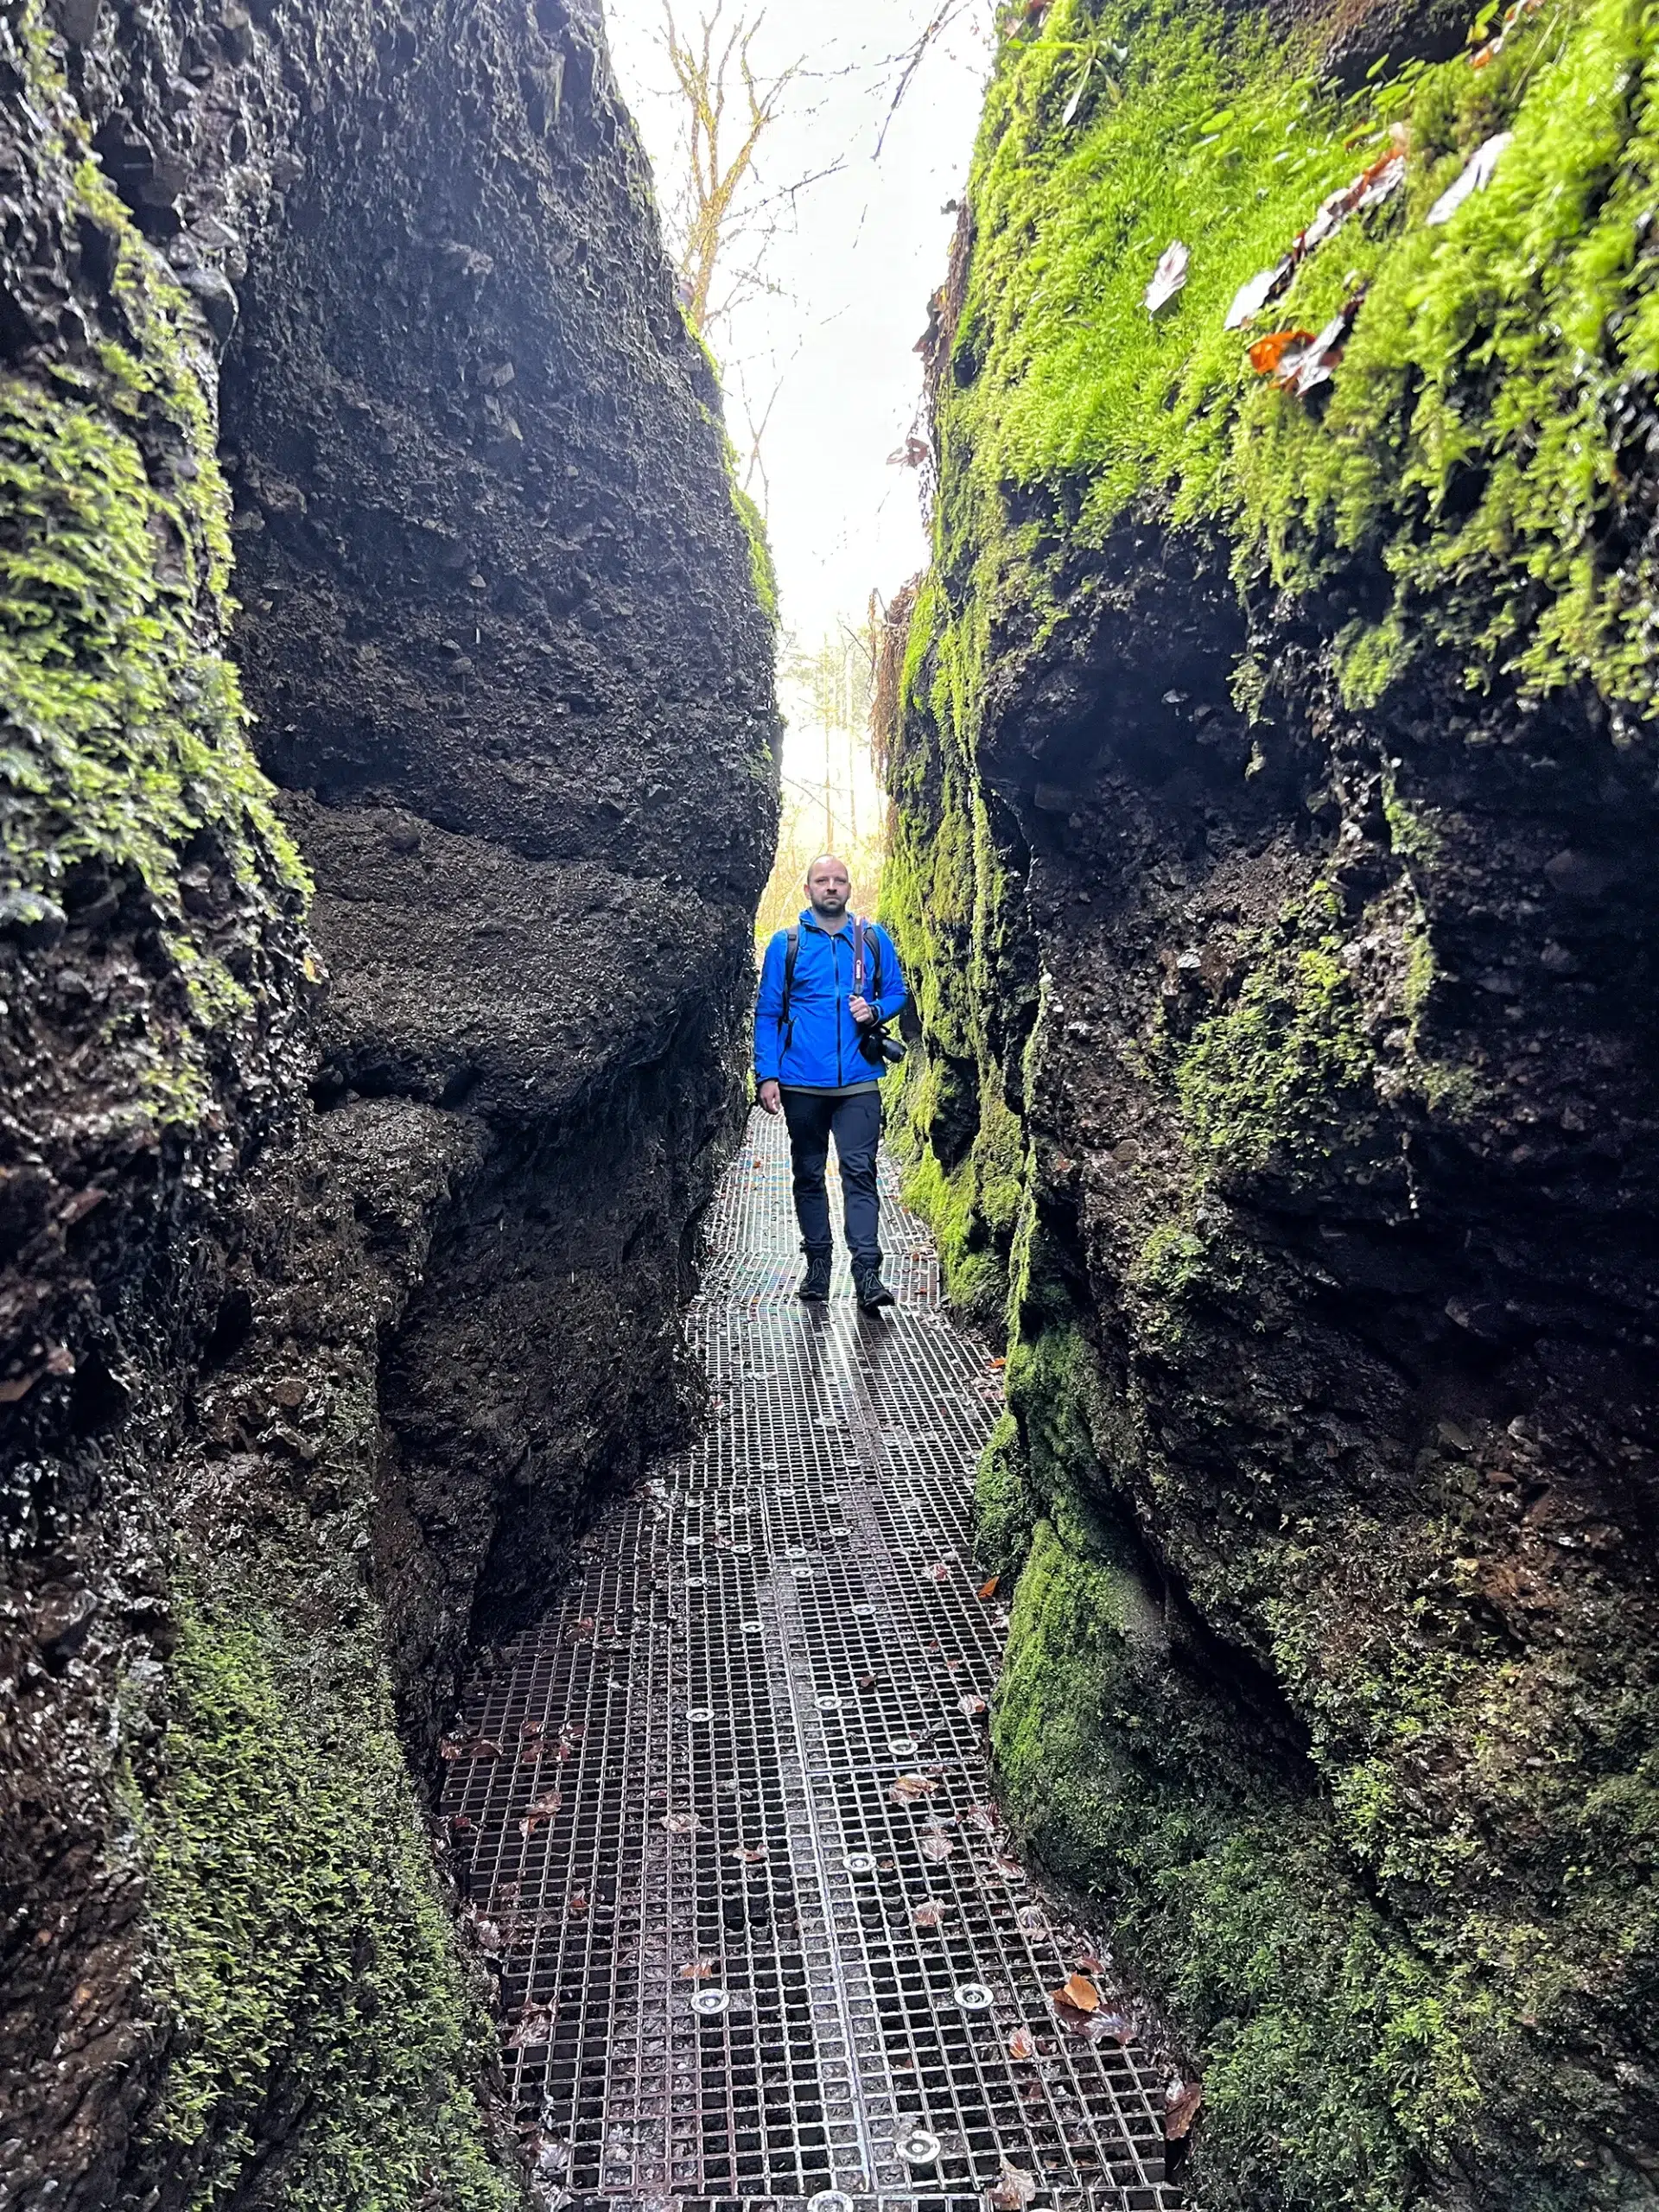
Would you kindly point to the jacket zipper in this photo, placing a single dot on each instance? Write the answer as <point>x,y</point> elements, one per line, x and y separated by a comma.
<point>835,947</point>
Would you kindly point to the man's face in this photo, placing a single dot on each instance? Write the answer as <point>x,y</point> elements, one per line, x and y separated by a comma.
<point>829,887</point>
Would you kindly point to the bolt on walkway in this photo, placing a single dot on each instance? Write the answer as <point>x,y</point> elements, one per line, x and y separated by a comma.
<point>728,1806</point>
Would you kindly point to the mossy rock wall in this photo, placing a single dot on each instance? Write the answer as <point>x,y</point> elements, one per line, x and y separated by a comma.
<point>379,642</point>
<point>1275,778</point>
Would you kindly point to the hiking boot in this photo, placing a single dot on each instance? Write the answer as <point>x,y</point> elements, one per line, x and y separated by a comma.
<point>873,1293</point>
<point>815,1283</point>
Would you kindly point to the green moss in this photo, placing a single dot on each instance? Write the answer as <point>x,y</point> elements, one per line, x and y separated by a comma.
<point>1338,2062</point>
<point>762,570</point>
<point>298,1936</point>
<point>1469,443</point>
<point>1281,1074</point>
<point>123,748</point>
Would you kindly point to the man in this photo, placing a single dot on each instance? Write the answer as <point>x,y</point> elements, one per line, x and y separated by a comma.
<point>817,1061</point>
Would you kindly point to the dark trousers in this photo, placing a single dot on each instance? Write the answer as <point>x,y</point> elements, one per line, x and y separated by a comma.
<point>855,1124</point>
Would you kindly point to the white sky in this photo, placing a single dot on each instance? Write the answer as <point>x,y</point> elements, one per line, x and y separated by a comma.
<point>854,262</point>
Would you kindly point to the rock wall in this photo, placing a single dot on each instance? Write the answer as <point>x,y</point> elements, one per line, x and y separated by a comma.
<point>1275,778</point>
<point>369,1048</point>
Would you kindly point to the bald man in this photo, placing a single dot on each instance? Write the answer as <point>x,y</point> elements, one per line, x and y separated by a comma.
<point>818,1061</point>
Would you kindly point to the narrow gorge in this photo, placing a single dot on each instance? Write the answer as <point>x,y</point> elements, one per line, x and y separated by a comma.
<point>390,768</point>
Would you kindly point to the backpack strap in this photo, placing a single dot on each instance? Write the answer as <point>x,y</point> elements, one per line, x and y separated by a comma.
<point>792,954</point>
<point>865,934</point>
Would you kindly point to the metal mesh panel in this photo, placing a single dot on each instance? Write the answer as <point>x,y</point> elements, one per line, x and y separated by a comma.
<point>737,1971</point>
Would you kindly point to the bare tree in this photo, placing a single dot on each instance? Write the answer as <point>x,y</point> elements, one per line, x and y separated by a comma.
<point>727,107</point>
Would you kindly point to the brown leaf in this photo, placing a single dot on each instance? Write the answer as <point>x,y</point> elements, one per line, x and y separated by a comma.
<point>937,1845</point>
<point>973,1707</point>
<point>1013,2188</point>
<point>989,1588</point>
<point>1009,1869</point>
<point>911,1789</point>
<point>1077,1990</point>
<point>867,1681</point>
<point>930,1914</point>
<point>540,1809</point>
<point>941,1572</point>
<point>983,1817</point>
<point>1086,1962</point>
<point>749,1854</point>
<point>534,2025</point>
<point>699,1970</point>
<point>1022,2044</point>
<point>576,1906</point>
<point>1181,2103</point>
<point>681,1823</point>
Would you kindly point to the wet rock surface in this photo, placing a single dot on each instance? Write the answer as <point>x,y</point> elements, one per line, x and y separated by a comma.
<point>345,1238</point>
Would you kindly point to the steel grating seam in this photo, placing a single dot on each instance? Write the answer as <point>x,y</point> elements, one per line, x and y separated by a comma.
<point>673,1796</point>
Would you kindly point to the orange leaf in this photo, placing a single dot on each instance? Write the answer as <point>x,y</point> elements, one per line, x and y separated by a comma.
<point>988,1589</point>
<point>1078,1991</point>
<point>1266,353</point>
<point>1022,2044</point>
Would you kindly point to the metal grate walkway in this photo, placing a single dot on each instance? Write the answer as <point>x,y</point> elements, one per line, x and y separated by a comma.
<point>728,1806</point>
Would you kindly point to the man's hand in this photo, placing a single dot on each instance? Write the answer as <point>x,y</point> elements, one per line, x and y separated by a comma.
<point>862,1011</point>
<point>771,1097</point>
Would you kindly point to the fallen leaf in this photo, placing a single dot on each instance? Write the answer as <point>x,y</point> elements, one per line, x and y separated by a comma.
<point>1009,1869</point>
<point>576,1906</point>
<point>540,1809</point>
<point>983,1817</point>
<point>1031,1920</point>
<point>1077,1990</point>
<point>1116,2024</point>
<point>1087,1962</point>
<point>1477,176</point>
<point>749,1854</point>
<point>911,1789</point>
<point>1251,298</point>
<point>997,1363</point>
<point>1317,362</point>
<point>867,1681</point>
<point>936,1844</point>
<point>1022,2044</point>
<point>534,2025</point>
<point>1168,279</point>
<point>699,1970</point>
<point>941,1572</point>
<point>989,1588</point>
<point>1181,2103</point>
<point>681,1823</point>
<point>930,1914</point>
<point>1267,356</point>
<point>1086,2026</point>
<point>972,1705</point>
<point>1013,2188</point>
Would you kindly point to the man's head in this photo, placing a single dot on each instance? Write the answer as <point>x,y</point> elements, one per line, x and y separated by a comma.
<point>829,887</point>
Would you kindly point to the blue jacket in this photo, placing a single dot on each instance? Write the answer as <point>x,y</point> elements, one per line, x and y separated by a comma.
<point>821,1049</point>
